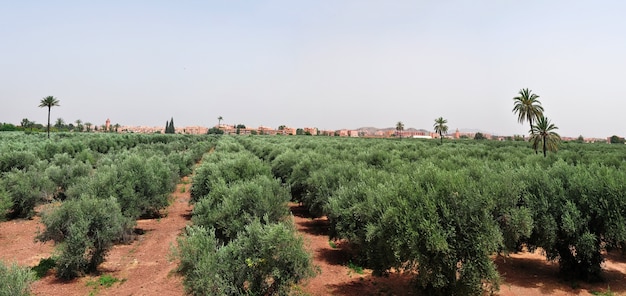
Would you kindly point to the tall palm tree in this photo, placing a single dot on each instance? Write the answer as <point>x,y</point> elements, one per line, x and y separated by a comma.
<point>399,128</point>
<point>219,121</point>
<point>49,102</point>
<point>441,127</point>
<point>544,132</point>
<point>527,107</point>
<point>88,125</point>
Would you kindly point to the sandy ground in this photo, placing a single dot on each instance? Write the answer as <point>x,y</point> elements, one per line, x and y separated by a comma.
<point>145,269</point>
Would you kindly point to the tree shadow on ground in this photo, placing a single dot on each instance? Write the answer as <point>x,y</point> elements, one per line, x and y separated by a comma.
<point>315,226</point>
<point>394,284</point>
<point>533,271</point>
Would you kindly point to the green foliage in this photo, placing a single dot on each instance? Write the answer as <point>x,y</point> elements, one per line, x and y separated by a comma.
<point>26,189</point>
<point>215,131</point>
<point>225,168</point>
<point>6,203</point>
<point>355,268</point>
<point>229,209</point>
<point>18,160</point>
<point>141,184</point>
<point>169,127</point>
<point>105,281</point>
<point>263,260</point>
<point>608,292</point>
<point>15,280</point>
<point>84,230</point>
<point>479,136</point>
<point>616,140</point>
<point>145,186</point>
<point>8,127</point>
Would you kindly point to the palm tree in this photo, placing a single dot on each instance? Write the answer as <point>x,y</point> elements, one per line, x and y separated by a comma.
<point>441,127</point>
<point>59,123</point>
<point>219,121</point>
<point>543,132</point>
<point>49,102</point>
<point>79,125</point>
<point>399,128</point>
<point>88,125</point>
<point>116,126</point>
<point>527,107</point>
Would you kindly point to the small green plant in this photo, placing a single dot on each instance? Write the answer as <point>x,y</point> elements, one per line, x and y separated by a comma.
<point>355,268</point>
<point>105,281</point>
<point>332,244</point>
<point>183,189</point>
<point>45,264</point>
<point>108,280</point>
<point>608,292</point>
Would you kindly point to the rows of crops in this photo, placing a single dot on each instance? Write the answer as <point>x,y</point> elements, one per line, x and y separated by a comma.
<point>442,211</point>
<point>91,188</point>
<point>242,241</point>
<point>439,212</point>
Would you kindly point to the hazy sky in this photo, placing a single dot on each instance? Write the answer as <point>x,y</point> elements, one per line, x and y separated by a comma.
<point>330,64</point>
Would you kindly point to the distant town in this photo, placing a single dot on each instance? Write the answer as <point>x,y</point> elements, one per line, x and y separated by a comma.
<point>240,129</point>
<point>364,132</point>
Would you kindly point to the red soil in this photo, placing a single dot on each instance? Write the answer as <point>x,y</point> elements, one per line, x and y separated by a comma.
<point>144,268</point>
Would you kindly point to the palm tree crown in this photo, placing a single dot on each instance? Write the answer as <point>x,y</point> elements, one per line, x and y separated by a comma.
<point>399,128</point>
<point>219,121</point>
<point>544,132</point>
<point>527,106</point>
<point>49,102</point>
<point>441,127</point>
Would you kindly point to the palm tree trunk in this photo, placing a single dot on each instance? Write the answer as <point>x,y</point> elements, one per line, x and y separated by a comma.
<point>441,137</point>
<point>544,147</point>
<point>49,107</point>
<point>531,128</point>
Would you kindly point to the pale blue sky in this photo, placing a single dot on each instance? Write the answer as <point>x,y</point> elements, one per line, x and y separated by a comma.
<point>329,64</point>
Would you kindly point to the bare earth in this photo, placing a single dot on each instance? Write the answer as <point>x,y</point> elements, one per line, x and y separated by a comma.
<point>145,269</point>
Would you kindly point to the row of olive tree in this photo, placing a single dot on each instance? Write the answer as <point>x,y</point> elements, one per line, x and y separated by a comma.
<point>242,241</point>
<point>95,197</point>
<point>442,211</point>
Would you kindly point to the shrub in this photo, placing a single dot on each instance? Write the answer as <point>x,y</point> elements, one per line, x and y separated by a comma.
<point>145,186</point>
<point>263,260</point>
<point>5,203</point>
<point>15,280</point>
<point>229,209</point>
<point>429,222</point>
<point>26,188</point>
<point>65,172</point>
<point>226,168</point>
<point>322,184</point>
<point>84,230</point>
<point>18,160</point>
<point>142,186</point>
